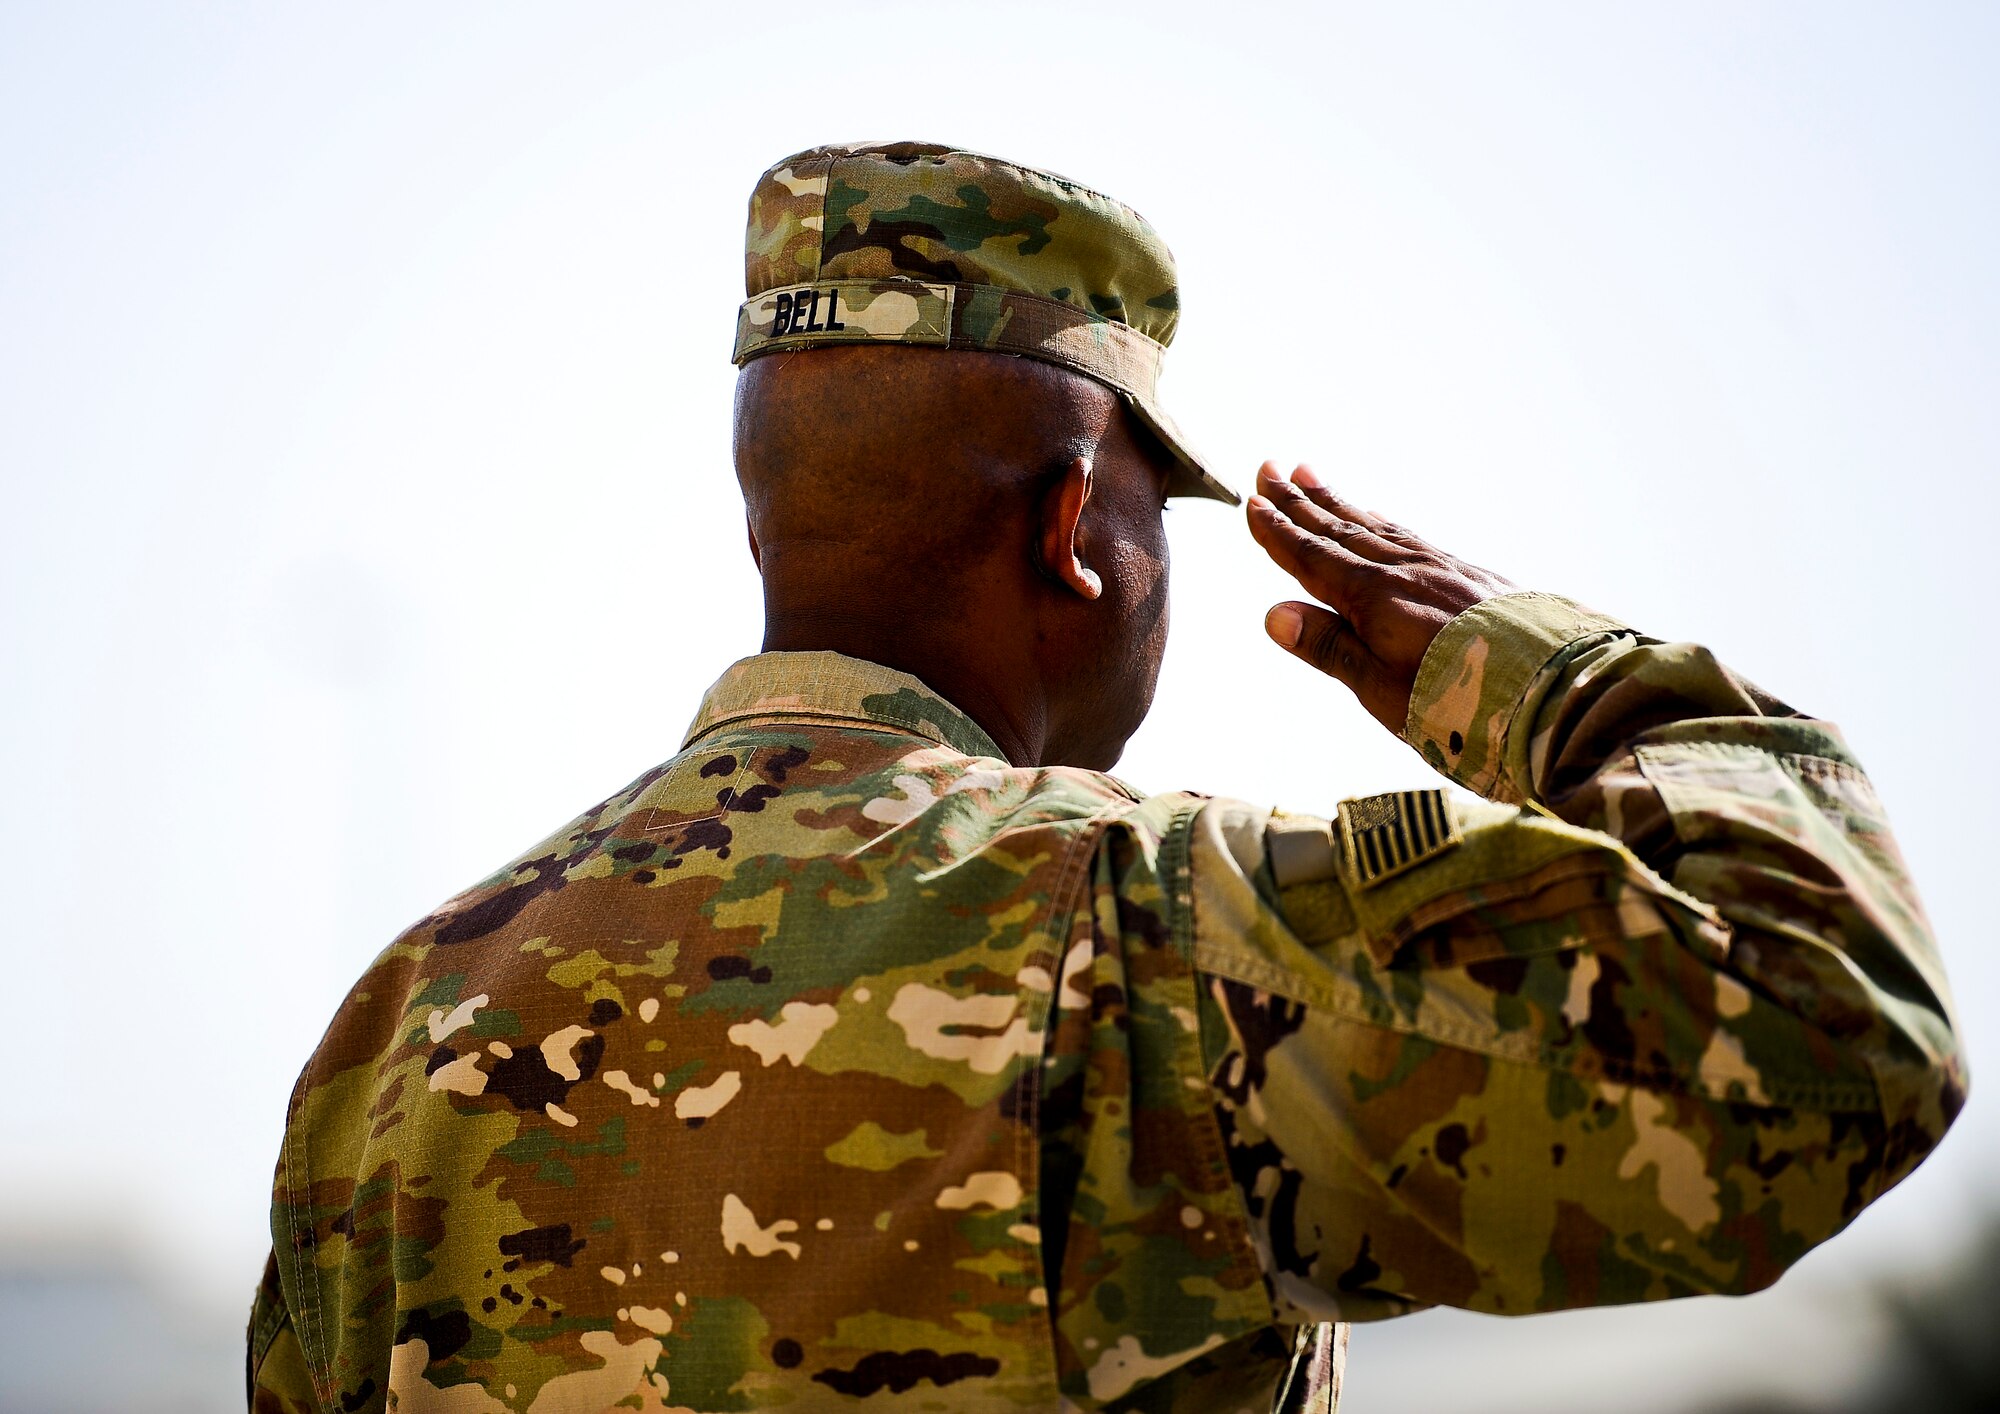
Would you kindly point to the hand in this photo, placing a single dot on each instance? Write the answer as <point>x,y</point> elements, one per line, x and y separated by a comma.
<point>1391,591</point>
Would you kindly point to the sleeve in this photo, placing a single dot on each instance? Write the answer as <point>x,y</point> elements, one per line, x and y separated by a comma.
<point>275,1378</point>
<point>1655,1018</point>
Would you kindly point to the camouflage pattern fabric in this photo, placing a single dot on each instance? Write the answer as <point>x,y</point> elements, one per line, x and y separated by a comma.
<point>837,1061</point>
<point>1669,1016</point>
<point>917,243</point>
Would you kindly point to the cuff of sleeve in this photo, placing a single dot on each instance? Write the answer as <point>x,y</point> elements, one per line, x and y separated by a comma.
<point>1475,674</point>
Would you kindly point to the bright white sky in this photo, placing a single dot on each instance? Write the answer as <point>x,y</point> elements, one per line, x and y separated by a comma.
<point>364,396</point>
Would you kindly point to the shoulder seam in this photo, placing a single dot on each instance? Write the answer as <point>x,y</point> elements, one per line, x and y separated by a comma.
<point>1066,901</point>
<point>306,1320</point>
<point>1177,866</point>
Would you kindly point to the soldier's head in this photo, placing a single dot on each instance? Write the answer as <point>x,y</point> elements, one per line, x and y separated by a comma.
<point>948,438</point>
<point>914,506</point>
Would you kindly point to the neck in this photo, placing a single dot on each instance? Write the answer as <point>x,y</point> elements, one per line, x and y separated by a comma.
<point>985,684</point>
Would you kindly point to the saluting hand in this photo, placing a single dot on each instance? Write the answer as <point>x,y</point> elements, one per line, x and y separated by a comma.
<point>1389,592</point>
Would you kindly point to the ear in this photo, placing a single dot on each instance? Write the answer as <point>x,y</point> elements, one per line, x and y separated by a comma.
<point>1062,517</point>
<point>756,555</point>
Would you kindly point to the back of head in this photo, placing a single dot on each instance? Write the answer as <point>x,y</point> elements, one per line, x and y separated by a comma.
<point>921,245</point>
<point>948,435</point>
<point>863,465</point>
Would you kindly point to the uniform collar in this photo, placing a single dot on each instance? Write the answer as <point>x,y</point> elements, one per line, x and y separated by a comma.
<point>833,686</point>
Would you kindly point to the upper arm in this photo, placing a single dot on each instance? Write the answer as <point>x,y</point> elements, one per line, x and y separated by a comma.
<point>1521,1077</point>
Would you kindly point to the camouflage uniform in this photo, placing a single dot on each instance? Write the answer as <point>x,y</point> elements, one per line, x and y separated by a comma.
<point>838,1059</point>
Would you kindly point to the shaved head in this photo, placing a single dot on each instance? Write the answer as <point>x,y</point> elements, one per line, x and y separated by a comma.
<point>990,524</point>
<point>903,455</point>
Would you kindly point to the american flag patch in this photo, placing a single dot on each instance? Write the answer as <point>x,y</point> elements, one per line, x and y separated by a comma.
<point>1382,835</point>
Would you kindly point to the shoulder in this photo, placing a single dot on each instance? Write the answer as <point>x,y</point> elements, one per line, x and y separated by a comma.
<point>960,793</point>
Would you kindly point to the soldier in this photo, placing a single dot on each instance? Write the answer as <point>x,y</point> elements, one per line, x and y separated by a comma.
<point>879,1047</point>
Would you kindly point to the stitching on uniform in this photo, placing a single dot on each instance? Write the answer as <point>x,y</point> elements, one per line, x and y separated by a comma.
<point>1807,765</point>
<point>750,718</point>
<point>1269,977</point>
<point>680,766</point>
<point>264,1329</point>
<point>1078,313</point>
<point>819,246</point>
<point>1561,870</point>
<point>1028,1137</point>
<point>666,789</point>
<point>1656,760</point>
<point>310,1331</point>
<point>747,754</point>
<point>292,1171</point>
<point>918,725</point>
<point>1064,182</point>
<point>1062,914</point>
<point>1584,633</point>
<point>910,726</point>
<point>1181,905</point>
<point>261,1346</point>
<point>318,1302</point>
<point>1804,762</point>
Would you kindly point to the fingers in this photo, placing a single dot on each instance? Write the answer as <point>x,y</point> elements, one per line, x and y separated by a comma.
<point>1334,504</point>
<point>1326,514</point>
<point>1323,566</point>
<point>1328,642</point>
<point>1389,591</point>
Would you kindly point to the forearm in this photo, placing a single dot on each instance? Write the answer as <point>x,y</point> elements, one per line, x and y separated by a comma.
<point>1693,954</point>
<point>1735,799</point>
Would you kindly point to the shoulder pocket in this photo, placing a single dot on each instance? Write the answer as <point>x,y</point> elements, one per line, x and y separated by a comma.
<point>1713,788</point>
<point>1521,883</point>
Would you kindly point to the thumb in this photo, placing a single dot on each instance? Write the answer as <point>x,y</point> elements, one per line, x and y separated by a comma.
<point>1329,642</point>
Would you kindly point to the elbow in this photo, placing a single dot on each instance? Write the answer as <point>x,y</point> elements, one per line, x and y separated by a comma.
<point>1801,1177</point>
<point>1868,1154</point>
<point>1921,1099</point>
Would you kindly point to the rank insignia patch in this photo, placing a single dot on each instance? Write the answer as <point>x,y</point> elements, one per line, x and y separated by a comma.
<point>1382,835</point>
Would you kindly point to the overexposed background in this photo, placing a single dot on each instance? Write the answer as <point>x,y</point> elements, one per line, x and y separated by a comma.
<point>367,508</point>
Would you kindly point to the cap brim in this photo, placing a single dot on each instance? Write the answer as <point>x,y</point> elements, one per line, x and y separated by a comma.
<point>1190,477</point>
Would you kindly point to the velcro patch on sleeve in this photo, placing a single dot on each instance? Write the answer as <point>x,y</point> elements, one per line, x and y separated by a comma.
<point>1301,850</point>
<point>1381,836</point>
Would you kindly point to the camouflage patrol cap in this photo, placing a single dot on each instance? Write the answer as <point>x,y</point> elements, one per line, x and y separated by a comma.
<point>915,243</point>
